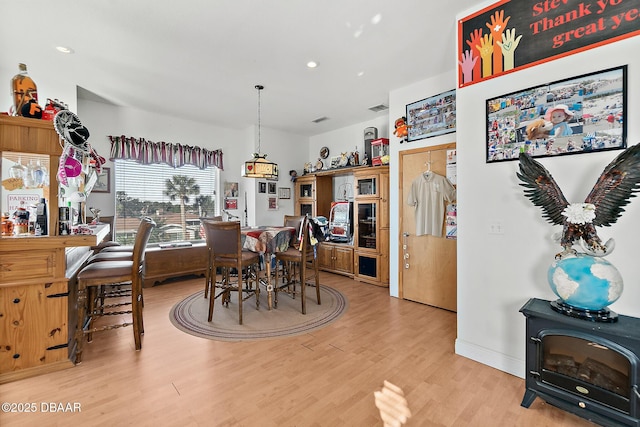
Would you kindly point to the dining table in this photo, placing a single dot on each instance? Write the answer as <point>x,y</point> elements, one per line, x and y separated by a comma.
<point>267,240</point>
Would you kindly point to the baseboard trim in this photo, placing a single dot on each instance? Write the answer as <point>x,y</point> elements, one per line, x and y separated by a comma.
<point>502,362</point>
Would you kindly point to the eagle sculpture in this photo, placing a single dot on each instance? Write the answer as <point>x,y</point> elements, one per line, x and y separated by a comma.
<point>602,207</point>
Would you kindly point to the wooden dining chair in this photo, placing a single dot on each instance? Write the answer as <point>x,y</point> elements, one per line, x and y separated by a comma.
<point>224,243</point>
<point>91,302</point>
<point>203,233</point>
<point>288,269</point>
<point>304,257</point>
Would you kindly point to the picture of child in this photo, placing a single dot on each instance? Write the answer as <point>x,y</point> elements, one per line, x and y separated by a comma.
<point>559,116</point>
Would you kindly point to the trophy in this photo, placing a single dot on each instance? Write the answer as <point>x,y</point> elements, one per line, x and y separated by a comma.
<point>96,215</point>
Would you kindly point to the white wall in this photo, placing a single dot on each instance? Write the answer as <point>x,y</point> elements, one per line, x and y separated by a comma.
<point>497,274</point>
<point>237,145</point>
<point>344,140</point>
<point>289,152</point>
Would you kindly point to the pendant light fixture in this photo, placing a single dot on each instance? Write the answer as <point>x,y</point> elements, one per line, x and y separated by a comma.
<point>259,166</point>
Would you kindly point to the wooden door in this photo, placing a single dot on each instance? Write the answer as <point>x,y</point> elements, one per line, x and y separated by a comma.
<point>428,273</point>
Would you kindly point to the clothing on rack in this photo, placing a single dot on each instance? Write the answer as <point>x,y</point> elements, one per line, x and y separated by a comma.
<point>428,194</point>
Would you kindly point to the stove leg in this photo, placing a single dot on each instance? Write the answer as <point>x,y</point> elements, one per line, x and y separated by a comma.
<point>529,397</point>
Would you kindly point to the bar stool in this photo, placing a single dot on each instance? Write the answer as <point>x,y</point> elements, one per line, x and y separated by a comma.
<point>225,252</point>
<point>91,302</point>
<point>304,257</point>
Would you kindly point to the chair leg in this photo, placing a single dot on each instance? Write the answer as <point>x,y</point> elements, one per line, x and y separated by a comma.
<point>210,278</point>
<point>315,268</point>
<point>136,313</point>
<point>239,284</point>
<point>251,272</point>
<point>276,286</point>
<point>212,298</point>
<point>91,308</point>
<point>82,311</point>
<point>303,285</point>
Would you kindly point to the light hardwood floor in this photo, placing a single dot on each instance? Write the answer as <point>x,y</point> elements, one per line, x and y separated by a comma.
<point>326,378</point>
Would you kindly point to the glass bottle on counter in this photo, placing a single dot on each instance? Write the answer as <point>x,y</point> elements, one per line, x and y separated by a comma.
<point>23,90</point>
<point>7,225</point>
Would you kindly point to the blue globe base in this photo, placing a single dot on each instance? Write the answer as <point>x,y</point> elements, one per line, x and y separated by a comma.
<point>603,315</point>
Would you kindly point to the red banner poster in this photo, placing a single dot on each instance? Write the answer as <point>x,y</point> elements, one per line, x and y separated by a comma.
<point>514,34</point>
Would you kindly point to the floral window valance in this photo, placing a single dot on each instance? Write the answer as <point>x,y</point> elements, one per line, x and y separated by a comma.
<point>176,155</point>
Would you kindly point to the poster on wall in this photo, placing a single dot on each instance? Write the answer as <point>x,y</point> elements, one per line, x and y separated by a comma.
<point>230,203</point>
<point>431,116</point>
<point>514,34</point>
<point>583,114</point>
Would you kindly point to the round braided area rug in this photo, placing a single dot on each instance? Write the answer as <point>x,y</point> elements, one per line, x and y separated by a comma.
<point>190,316</point>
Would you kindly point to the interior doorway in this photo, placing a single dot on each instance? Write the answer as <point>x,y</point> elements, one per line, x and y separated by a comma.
<point>428,264</point>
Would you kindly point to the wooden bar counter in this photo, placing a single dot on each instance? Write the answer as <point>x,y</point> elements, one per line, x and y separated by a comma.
<point>37,313</point>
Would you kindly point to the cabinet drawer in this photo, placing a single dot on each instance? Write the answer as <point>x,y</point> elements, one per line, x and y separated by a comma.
<point>26,265</point>
<point>33,325</point>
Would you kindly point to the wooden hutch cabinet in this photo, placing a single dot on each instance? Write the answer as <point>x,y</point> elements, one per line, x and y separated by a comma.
<point>368,259</point>
<point>371,224</point>
<point>313,195</point>
<point>35,271</point>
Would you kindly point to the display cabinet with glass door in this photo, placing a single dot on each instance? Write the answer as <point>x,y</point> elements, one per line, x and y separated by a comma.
<point>313,195</point>
<point>29,153</point>
<point>371,246</point>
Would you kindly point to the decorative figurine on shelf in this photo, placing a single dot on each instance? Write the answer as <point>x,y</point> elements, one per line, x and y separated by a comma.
<point>344,159</point>
<point>365,159</point>
<point>402,130</point>
<point>293,174</point>
<point>356,157</point>
<point>96,215</point>
<point>585,283</point>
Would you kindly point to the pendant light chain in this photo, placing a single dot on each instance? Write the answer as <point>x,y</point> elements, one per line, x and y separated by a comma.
<point>259,87</point>
<point>259,166</point>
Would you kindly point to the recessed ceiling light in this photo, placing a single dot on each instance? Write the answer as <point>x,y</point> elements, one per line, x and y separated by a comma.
<point>64,49</point>
<point>312,64</point>
<point>360,73</point>
<point>376,19</point>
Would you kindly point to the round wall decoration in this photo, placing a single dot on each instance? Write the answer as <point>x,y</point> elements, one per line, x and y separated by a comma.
<point>324,152</point>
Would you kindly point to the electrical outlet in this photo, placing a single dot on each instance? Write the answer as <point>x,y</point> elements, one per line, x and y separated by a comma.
<point>496,227</point>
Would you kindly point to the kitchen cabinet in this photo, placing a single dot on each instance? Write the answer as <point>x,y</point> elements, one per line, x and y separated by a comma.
<point>336,258</point>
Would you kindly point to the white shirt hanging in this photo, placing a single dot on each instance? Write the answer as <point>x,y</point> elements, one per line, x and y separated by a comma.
<point>428,194</point>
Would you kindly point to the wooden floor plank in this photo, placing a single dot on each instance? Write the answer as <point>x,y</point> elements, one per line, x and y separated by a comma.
<point>324,378</point>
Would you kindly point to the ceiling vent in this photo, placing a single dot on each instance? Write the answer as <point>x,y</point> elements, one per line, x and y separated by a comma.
<point>377,108</point>
<point>320,119</point>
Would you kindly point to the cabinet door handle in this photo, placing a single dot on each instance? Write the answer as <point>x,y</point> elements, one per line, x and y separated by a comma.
<point>16,300</point>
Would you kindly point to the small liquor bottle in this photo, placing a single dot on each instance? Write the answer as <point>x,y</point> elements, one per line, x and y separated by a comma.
<point>23,90</point>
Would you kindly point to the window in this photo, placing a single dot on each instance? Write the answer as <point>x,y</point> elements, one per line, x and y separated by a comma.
<point>175,198</point>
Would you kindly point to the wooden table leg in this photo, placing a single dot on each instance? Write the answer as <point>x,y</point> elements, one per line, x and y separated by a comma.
<point>269,285</point>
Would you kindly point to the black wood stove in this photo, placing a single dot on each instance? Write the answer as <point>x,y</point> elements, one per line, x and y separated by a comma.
<point>584,367</point>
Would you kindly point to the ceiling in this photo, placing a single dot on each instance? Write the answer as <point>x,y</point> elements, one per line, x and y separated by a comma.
<point>200,59</point>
